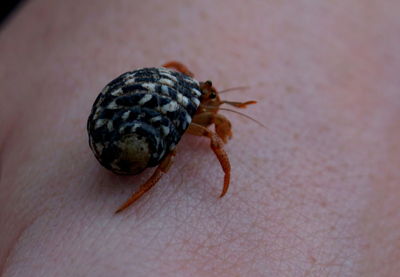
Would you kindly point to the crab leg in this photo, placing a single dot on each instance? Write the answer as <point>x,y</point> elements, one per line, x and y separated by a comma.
<point>178,67</point>
<point>161,169</point>
<point>217,146</point>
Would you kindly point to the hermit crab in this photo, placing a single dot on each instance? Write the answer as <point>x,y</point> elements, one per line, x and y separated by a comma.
<point>139,118</point>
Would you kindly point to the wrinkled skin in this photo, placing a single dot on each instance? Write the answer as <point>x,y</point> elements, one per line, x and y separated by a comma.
<point>316,193</point>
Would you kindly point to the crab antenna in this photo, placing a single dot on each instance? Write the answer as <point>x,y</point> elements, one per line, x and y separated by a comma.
<point>233,89</point>
<point>244,115</point>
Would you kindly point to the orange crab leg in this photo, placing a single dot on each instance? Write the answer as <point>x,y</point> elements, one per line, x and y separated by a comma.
<point>217,146</point>
<point>223,126</point>
<point>161,169</point>
<point>178,67</point>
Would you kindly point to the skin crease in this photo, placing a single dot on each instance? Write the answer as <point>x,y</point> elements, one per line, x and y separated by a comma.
<point>314,194</point>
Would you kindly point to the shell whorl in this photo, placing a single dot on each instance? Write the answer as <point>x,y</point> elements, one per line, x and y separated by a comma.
<point>140,117</point>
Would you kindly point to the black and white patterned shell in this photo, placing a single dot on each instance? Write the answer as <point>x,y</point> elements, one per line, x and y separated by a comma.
<point>140,117</point>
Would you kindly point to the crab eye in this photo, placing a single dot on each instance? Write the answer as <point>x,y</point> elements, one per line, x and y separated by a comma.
<point>212,95</point>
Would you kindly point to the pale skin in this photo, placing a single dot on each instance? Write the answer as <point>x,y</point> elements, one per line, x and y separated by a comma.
<point>316,193</point>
